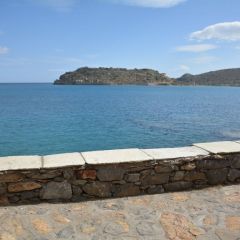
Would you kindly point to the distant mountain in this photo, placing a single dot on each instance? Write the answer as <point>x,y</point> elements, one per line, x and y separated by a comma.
<point>225,77</point>
<point>101,76</point>
<point>118,76</point>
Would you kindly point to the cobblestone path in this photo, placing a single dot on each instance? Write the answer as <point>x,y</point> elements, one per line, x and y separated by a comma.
<point>209,214</point>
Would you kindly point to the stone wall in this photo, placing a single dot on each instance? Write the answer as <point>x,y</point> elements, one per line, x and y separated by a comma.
<point>117,173</point>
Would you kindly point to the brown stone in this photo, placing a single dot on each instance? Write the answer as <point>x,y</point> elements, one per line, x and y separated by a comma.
<point>165,168</point>
<point>233,223</point>
<point>56,190</point>
<point>133,177</point>
<point>193,176</point>
<point>11,177</point>
<point>177,226</point>
<point>210,220</point>
<point>233,175</point>
<point>235,161</point>
<point>108,174</point>
<point>155,179</point>
<point>87,174</point>
<point>188,166</point>
<point>41,226</point>
<point>3,201</point>
<point>213,163</point>
<point>98,189</point>
<point>217,176</point>
<point>125,190</point>
<point>178,186</point>
<point>178,176</point>
<point>45,175</point>
<point>23,186</point>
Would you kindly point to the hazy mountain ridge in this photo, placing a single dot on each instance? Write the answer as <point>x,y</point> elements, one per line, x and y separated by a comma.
<point>224,77</point>
<point>118,76</point>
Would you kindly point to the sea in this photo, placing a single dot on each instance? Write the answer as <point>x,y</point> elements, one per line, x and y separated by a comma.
<point>48,119</point>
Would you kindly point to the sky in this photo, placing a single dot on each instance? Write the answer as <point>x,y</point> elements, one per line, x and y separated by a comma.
<point>42,39</point>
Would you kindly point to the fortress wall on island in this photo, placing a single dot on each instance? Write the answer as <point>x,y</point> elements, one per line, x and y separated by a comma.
<point>74,177</point>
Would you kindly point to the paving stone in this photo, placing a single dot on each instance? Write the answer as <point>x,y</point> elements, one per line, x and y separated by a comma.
<point>115,156</point>
<point>172,153</point>
<point>63,160</point>
<point>220,147</point>
<point>212,213</point>
<point>20,162</point>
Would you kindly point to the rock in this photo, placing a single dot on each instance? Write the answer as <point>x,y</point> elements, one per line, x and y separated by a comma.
<point>46,175</point>
<point>56,190</point>
<point>155,179</point>
<point>235,161</point>
<point>29,195</point>
<point>145,228</point>
<point>233,175</point>
<point>116,228</point>
<point>68,174</point>
<point>193,176</point>
<point>155,189</point>
<point>108,174</point>
<point>177,226</point>
<point>125,190</point>
<point>217,176</point>
<point>3,188</point>
<point>41,226</point>
<point>98,189</point>
<point>76,190</point>
<point>3,201</point>
<point>178,186</point>
<point>66,233</point>
<point>11,177</point>
<point>23,186</point>
<point>79,182</point>
<point>165,168</point>
<point>213,163</point>
<point>189,166</point>
<point>133,177</point>
<point>233,223</point>
<point>179,175</point>
<point>87,174</point>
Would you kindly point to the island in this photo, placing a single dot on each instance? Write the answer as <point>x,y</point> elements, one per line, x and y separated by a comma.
<point>123,76</point>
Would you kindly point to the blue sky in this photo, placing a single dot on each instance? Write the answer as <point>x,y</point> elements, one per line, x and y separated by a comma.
<point>41,39</point>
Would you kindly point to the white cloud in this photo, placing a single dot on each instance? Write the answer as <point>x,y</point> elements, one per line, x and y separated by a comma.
<point>228,31</point>
<point>204,59</point>
<point>4,50</point>
<point>196,48</point>
<point>184,68</point>
<point>151,3</point>
<point>59,5</point>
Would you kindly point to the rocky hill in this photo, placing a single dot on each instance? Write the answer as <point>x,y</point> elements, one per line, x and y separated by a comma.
<point>100,76</point>
<point>225,77</point>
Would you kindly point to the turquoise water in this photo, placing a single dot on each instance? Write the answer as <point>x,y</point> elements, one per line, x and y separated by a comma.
<point>46,119</point>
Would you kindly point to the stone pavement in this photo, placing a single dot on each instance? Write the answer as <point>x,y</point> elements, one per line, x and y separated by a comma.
<point>208,214</point>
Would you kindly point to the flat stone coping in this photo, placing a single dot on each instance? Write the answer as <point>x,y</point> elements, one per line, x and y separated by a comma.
<point>172,153</point>
<point>63,160</point>
<point>20,162</point>
<point>116,156</point>
<point>220,147</point>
